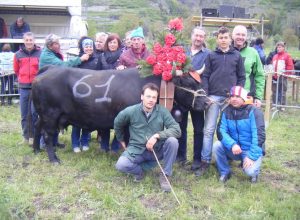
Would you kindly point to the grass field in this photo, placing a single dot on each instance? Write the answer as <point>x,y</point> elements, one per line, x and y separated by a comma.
<point>86,185</point>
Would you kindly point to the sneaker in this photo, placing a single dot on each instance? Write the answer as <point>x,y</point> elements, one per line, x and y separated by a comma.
<point>195,165</point>
<point>76,150</point>
<point>224,178</point>
<point>24,141</point>
<point>138,178</point>
<point>85,148</point>
<point>164,185</point>
<point>254,179</point>
<point>203,169</point>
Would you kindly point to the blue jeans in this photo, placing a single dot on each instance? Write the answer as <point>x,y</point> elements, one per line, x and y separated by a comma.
<point>78,141</point>
<point>210,123</point>
<point>105,137</point>
<point>198,123</point>
<point>26,108</point>
<point>134,166</point>
<point>222,154</point>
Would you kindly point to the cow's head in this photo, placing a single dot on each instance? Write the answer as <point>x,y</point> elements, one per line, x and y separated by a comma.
<point>189,93</point>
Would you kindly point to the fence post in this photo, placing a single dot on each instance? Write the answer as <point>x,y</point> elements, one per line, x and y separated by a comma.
<point>268,98</point>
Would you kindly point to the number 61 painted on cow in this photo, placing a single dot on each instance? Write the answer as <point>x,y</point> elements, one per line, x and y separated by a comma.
<point>80,82</point>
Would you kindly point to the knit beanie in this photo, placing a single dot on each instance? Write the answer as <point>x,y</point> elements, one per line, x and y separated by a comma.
<point>87,42</point>
<point>239,91</point>
<point>137,33</point>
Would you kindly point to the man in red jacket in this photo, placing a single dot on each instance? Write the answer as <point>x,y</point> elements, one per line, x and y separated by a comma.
<point>26,66</point>
<point>283,64</point>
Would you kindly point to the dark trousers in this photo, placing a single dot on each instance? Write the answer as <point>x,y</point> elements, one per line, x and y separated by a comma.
<point>281,93</point>
<point>7,80</point>
<point>198,124</point>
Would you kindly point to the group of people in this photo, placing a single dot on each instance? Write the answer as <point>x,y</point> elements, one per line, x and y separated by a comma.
<point>232,73</point>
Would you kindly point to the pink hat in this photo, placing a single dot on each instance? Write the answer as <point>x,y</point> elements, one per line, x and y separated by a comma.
<point>239,91</point>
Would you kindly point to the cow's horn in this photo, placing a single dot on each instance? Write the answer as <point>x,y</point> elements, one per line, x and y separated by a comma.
<point>200,71</point>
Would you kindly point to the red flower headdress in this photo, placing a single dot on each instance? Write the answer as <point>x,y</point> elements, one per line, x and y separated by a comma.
<point>168,56</point>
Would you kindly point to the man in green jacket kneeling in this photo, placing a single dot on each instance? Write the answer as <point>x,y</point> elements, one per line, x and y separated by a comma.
<point>151,128</point>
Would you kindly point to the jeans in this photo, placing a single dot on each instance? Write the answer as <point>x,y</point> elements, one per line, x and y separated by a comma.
<point>222,154</point>
<point>78,141</point>
<point>26,108</point>
<point>105,137</point>
<point>210,123</point>
<point>134,166</point>
<point>198,124</point>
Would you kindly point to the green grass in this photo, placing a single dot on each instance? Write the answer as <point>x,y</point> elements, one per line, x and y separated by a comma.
<point>86,186</point>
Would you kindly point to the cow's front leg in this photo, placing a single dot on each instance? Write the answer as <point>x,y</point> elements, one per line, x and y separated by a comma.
<point>50,149</point>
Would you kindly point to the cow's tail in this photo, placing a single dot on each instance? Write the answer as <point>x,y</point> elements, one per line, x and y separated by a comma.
<point>30,120</point>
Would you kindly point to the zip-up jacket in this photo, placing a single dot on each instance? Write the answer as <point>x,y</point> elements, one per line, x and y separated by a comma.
<point>26,66</point>
<point>223,71</point>
<point>282,62</point>
<point>255,77</point>
<point>245,127</point>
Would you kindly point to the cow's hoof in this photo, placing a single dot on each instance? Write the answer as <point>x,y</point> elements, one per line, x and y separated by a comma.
<point>36,151</point>
<point>55,162</point>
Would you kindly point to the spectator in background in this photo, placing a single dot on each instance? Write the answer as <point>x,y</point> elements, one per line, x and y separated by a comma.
<point>86,46</point>
<point>51,55</point>
<point>283,64</point>
<point>270,56</point>
<point>109,60</point>
<point>224,68</point>
<point>255,78</point>
<point>3,30</point>
<point>127,41</point>
<point>241,135</point>
<point>259,46</point>
<point>26,66</point>
<point>198,53</point>
<point>100,40</point>
<point>138,50</point>
<point>7,72</point>
<point>17,29</point>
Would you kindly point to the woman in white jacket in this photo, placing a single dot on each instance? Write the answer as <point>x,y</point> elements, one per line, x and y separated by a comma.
<point>7,73</point>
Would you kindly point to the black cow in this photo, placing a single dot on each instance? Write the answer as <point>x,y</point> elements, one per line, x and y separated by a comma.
<point>91,99</point>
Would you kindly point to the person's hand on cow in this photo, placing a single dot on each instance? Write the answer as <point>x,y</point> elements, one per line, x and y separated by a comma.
<point>84,57</point>
<point>123,145</point>
<point>247,163</point>
<point>121,67</point>
<point>151,142</point>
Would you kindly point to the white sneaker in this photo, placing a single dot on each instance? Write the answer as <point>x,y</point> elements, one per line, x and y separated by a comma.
<point>76,150</point>
<point>85,148</point>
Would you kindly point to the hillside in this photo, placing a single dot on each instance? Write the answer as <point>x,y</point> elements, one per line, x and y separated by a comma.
<point>122,15</point>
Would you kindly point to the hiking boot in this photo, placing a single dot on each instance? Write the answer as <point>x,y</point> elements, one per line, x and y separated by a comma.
<point>138,178</point>
<point>164,185</point>
<point>195,165</point>
<point>203,169</point>
<point>224,178</point>
<point>254,179</point>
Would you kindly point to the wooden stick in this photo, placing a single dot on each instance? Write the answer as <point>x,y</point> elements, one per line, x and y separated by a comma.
<point>165,176</point>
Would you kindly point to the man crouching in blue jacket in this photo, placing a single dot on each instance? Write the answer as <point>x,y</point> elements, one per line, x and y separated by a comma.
<point>241,135</point>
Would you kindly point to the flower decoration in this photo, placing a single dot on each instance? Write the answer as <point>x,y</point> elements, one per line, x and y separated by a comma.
<point>167,56</point>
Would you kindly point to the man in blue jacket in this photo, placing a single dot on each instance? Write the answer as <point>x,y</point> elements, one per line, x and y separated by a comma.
<point>241,134</point>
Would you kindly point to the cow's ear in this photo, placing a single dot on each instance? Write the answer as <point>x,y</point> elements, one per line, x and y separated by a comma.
<point>195,76</point>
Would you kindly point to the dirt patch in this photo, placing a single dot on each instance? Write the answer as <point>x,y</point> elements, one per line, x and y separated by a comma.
<point>292,163</point>
<point>279,181</point>
<point>26,161</point>
<point>8,127</point>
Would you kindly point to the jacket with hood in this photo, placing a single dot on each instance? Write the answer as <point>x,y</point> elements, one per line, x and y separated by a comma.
<point>26,66</point>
